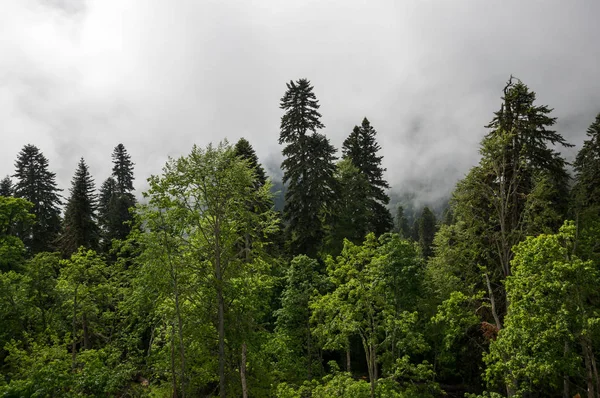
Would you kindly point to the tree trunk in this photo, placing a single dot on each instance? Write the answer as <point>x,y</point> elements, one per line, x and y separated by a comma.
<point>86,335</point>
<point>566,392</point>
<point>243,372</point>
<point>585,345</point>
<point>348,359</point>
<point>180,333</point>
<point>173,370</point>
<point>595,370</point>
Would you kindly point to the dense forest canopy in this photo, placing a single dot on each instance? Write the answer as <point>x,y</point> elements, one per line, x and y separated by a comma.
<point>202,287</point>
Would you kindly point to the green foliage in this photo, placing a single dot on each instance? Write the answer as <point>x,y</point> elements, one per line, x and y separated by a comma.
<point>427,228</point>
<point>549,310</point>
<point>14,217</point>
<point>6,187</point>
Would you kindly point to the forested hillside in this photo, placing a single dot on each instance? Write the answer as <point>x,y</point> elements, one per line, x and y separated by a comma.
<point>199,287</point>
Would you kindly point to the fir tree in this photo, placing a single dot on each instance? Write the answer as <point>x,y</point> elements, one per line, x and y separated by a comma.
<point>116,198</point>
<point>402,226</point>
<point>361,148</point>
<point>587,168</point>
<point>427,229</point>
<point>79,226</point>
<point>244,150</point>
<point>37,184</point>
<point>6,187</point>
<point>308,168</point>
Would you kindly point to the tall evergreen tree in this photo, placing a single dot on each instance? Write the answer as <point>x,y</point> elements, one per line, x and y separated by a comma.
<point>6,187</point>
<point>79,226</point>
<point>427,229</point>
<point>308,168</point>
<point>361,148</point>
<point>244,149</point>
<point>402,225</point>
<point>587,168</point>
<point>116,198</point>
<point>37,184</point>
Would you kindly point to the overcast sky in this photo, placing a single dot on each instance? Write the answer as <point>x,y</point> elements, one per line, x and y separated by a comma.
<point>79,77</point>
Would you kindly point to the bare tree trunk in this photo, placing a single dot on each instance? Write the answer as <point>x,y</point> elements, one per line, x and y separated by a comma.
<point>243,372</point>
<point>595,370</point>
<point>309,351</point>
<point>180,333</point>
<point>493,301</point>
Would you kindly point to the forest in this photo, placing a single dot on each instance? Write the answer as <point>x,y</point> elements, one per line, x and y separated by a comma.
<point>200,286</point>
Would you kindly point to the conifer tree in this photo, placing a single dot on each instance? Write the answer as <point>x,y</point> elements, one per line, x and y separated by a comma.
<point>37,184</point>
<point>6,187</point>
<point>79,226</point>
<point>308,168</point>
<point>244,149</point>
<point>116,198</point>
<point>361,148</point>
<point>402,226</point>
<point>587,168</point>
<point>427,229</point>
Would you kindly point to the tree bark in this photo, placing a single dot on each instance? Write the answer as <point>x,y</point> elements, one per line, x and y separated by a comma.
<point>585,345</point>
<point>86,335</point>
<point>173,370</point>
<point>243,372</point>
<point>348,358</point>
<point>566,392</point>
<point>220,310</point>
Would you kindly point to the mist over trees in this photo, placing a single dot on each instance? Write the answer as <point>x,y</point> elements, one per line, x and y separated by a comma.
<point>204,288</point>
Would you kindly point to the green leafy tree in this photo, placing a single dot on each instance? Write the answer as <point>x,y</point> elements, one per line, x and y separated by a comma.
<point>296,351</point>
<point>6,187</point>
<point>79,225</point>
<point>14,216</point>
<point>308,168</point>
<point>362,148</point>
<point>37,184</point>
<point>550,314</point>
<point>205,196</point>
<point>371,298</point>
<point>351,213</point>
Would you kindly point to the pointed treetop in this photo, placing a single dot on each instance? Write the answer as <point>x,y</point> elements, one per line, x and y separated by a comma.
<point>122,169</point>
<point>301,111</point>
<point>6,187</point>
<point>244,149</point>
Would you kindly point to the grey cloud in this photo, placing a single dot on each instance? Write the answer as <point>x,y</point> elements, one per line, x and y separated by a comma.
<point>77,78</point>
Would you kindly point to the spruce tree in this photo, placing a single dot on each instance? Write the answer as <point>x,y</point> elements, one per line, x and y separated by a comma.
<point>37,184</point>
<point>244,149</point>
<point>79,226</point>
<point>587,168</point>
<point>116,198</point>
<point>427,229</point>
<point>402,225</point>
<point>308,169</point>
<point>361,148</point>
<point>6,187</point>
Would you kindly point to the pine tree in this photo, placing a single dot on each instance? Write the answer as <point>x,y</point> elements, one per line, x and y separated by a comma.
<point>37,184</point>
<point>427,229</point>
<point>244,149</point>
<point>79,226</point>
<point>6,187</point>
<point>361,148</point>
<point>116,198</point>
<point>308,168</point>
<point>587,168</point>
<point>402,226</point>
